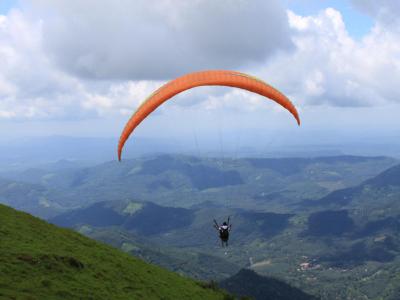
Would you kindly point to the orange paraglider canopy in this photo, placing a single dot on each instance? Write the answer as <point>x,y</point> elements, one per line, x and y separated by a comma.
<point>188,81</point>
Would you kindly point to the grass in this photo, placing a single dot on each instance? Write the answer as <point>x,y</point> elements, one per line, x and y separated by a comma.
<point>42,261</point>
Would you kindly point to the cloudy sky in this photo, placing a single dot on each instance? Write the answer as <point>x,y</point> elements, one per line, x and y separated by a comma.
<point>80,68</point>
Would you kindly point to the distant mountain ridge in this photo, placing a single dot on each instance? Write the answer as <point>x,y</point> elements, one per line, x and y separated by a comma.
<point>249,283</point>
<point>145,218</point>
<point>177,180</point>
<point>380,190</point>
<point>344,243</point>
<point>149,219</point>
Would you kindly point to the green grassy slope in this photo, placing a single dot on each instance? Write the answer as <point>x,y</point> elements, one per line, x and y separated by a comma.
<point>42,261</point>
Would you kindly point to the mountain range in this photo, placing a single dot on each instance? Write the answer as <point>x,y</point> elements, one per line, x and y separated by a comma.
<point>328,226</point>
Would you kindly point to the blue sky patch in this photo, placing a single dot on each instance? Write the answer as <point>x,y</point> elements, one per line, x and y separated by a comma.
<point>6,5</point>
<point>357,23</point>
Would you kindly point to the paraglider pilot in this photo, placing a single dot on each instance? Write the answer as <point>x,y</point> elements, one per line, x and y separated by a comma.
<point>223,230</point>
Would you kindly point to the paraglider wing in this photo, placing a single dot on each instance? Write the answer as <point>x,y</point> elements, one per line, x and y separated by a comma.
<point>188,81</point>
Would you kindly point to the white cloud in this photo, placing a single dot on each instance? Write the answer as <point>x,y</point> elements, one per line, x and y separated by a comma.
<point>159,39</point>
<point>53,54</point>
<point>33,88</point>
<point>118,98</point>
<point>386,12</point>
<point>30,86</point>
<point>329,67</point>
